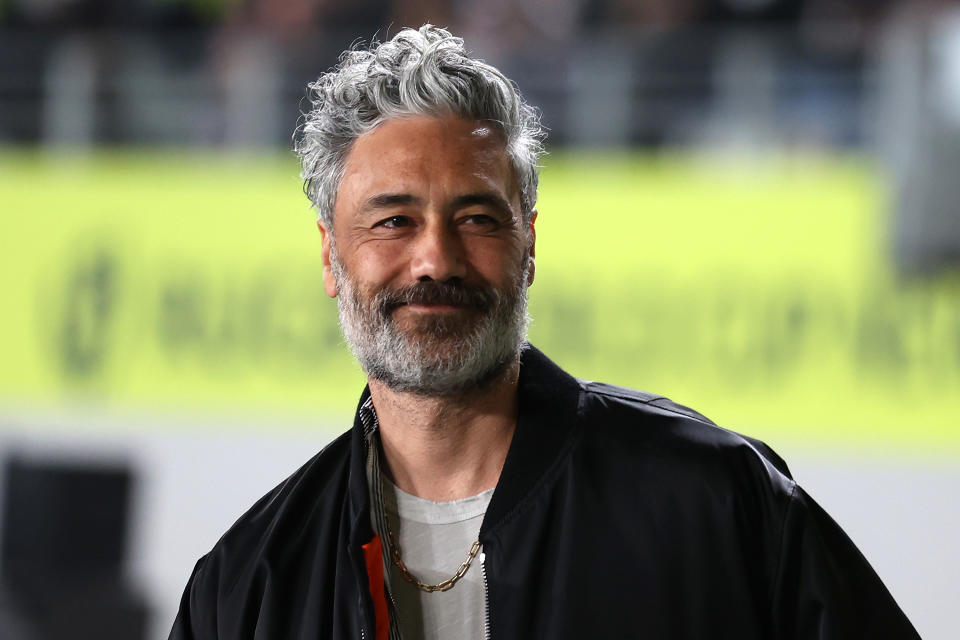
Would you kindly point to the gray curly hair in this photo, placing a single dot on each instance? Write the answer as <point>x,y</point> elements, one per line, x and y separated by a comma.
<point>417,72</point>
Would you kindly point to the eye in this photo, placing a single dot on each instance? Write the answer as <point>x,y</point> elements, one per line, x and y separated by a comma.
<point>393,222</point>
<point>481,220</point>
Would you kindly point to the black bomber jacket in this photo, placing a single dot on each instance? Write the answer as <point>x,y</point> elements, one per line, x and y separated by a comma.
<point>618,514</point>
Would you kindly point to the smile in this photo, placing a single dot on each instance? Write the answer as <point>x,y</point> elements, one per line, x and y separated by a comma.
<point>436,308</point>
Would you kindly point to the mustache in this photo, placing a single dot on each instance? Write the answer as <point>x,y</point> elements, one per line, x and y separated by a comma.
<point>434,292</point>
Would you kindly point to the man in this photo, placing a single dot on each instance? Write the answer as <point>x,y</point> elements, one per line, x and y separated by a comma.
<point>483,492</point>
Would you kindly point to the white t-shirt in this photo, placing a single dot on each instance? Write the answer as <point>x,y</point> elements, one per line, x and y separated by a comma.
<point>434,539</point>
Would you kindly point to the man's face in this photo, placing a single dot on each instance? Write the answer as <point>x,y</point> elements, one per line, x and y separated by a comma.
<point>431,259</point>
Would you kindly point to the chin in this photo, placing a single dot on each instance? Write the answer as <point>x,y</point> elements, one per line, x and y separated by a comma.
<point>442,377</point>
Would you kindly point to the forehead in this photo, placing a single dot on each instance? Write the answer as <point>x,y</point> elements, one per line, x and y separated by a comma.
<point>420,152</point>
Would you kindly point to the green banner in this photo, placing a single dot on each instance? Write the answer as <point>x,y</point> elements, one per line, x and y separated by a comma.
<point>760,293</point>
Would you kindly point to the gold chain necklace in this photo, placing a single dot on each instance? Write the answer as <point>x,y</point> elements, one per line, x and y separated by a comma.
<point>429,588</point>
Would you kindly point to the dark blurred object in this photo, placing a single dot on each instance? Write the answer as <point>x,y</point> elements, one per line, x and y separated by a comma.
<point>75,74</point>
<point>65,531</point>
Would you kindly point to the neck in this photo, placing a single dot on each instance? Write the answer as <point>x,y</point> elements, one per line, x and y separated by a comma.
<point>447,448</point>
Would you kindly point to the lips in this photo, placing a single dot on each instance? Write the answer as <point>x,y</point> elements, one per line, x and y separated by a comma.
<point>439,296</point>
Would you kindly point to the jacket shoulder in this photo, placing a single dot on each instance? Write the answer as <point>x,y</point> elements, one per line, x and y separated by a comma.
<point>311,497</point>
<point>674,421</point>
<point>314,481</point>
<point>642,398</point>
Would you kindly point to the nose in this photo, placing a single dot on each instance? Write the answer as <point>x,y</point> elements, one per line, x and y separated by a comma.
<point>437,254</point>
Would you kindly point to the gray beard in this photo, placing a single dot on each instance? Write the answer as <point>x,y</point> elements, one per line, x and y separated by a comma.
<point>442,356</point>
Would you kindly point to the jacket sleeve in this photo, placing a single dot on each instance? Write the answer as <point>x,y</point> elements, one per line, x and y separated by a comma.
<point>824,589</point>
<point>196,619</point>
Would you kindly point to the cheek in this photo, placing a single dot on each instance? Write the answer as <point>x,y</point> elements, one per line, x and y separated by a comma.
<point>377,263</point>
<point>498,262</point>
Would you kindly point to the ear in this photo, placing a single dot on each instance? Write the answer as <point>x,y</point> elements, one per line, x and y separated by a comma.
<point>329,282</point>
<point>532,265</point>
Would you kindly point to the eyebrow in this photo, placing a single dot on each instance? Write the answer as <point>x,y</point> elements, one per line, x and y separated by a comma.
<point>387,200</point>
<point>485,198</point>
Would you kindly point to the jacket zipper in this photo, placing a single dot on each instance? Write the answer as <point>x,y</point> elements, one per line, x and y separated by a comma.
<point>486,596</point>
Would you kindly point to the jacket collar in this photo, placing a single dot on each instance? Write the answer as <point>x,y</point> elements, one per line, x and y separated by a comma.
<point>360,526</point>
<point>546,419</point>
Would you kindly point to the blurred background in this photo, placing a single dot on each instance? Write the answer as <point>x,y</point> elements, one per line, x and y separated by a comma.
<point>749,205</point>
